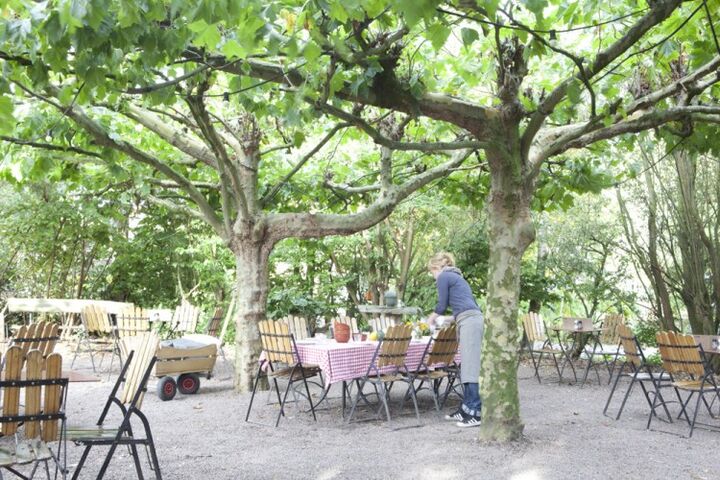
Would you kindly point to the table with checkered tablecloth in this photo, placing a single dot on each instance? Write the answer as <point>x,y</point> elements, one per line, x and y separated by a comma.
<point>341,362</point>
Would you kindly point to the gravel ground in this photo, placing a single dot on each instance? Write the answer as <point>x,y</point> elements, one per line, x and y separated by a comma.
<point>566,436</point>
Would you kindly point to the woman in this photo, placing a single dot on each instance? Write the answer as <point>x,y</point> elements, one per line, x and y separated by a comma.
<point>454,291</point>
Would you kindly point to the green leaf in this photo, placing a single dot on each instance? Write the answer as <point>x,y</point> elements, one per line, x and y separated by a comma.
<point>437,33</point>
<point>298,138</point>
<point>469,35</point>
<point>232,49</point>
<point>338,12</point>
<point>312,51</point>
<point>209,37</point>
<point>490,7</point>
<point>7,120</point>
<point>574,91</point>
<point>337,81</point>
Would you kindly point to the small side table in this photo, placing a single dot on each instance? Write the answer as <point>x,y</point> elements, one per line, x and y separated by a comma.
<point>389,315</point>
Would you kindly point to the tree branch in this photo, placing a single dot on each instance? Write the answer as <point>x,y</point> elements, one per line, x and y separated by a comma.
<point>49,146</point>
<point>660,11</point>
<point>309,225</point>
<point>174,137</point>
<point>276,188</point>
<point>395,145</point>
<point>104,139</point>
<point>169,83</point>
<point>475,118</point>
<point>639,123</point>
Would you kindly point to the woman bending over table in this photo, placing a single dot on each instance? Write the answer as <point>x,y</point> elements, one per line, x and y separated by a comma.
<point>454,292</point>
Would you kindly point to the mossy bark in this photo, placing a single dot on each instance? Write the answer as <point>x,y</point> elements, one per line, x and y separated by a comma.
<point>251,262</point>
<point>511,231</point>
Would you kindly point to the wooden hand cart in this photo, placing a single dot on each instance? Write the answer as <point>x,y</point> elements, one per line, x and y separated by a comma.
<point>180,368</point>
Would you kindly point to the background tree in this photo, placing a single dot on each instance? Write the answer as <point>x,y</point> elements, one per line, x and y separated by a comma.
<point>678,248</point>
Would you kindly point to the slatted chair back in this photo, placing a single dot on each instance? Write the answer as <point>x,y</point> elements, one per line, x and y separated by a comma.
<point>213,326</point>
<point>351,321</point>
<point>610,334</point>
<point>686,355</point>
<point>444,346</point>
<point>630,345</point>
<point>680,354</point>
<point>534,327</point>
<point>381,324</point>
<point>41,336</point>
<point>96,320</point>
<point>185,318</point>
<point>44,394</point>
<point>667,355</point>
<point>394,346</point>
<point>298,326</point>
<point>277,341</point>
<point>144,345</point>
<point>132,321</point>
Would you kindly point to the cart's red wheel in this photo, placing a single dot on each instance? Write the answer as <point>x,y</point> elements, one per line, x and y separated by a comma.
<point>188,383</point>
<point>166,388</point>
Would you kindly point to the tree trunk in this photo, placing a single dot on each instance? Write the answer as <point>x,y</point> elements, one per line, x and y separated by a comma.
<point>251,260</point>
<point>512,231</point>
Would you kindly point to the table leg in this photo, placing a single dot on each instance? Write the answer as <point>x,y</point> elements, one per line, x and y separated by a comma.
<point>566,355</point>
<point>590,363</point>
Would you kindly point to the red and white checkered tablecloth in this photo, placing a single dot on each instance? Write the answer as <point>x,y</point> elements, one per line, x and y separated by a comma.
<point>346,361</point>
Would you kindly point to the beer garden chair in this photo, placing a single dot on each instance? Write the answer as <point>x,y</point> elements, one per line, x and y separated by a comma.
<point>133,379</point>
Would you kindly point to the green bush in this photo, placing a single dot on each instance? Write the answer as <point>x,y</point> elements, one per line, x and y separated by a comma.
<point>645,332</point>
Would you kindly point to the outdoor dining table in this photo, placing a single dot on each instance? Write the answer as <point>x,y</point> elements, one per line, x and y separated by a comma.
<point>343,362</point>
<point>577,329</point>
<point>710,343</point>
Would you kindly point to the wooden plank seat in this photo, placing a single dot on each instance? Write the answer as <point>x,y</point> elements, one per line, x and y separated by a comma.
<point>27,432</point>
<point>281,360</point>
<point>133,378</point>
<point>436,364</point>
<point>386,368</point>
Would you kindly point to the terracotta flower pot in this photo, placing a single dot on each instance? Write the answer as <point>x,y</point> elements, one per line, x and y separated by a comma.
<point>342,332</point>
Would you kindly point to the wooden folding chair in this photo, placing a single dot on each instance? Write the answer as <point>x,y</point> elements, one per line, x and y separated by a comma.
<point>381,324</point>
<point>281,361</point>
<point>41,336</point>
<point>132,321</point>
<point>185,318</point>
<point>97,335</point>
<point>212,334</point>
<point>610,344</point>
<point>538,342</point>
<point>298,326</point>
<point>437,362</point>
<point>639,372</point>
<point>685,362</point>
<point>386,368</point>
<point>43,416</point>
<point>213,326</point>
<point>133,378</point>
